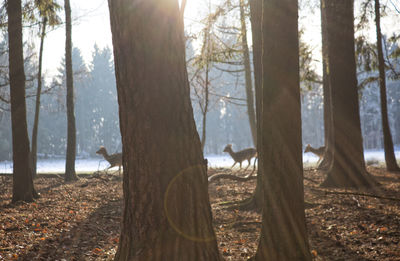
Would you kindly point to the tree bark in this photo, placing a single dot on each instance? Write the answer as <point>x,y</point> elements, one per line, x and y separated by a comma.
<point>328,133</point>
<point>206,54</point>
<point>348,166</point>
<point>283,233</point>
<point>206,100</point>
<point>390,158</point>
<point>167,214</point>
<point>70,174</point>
<point>247,73</point>
<point>256,200</point>
<point>37,105</point>
<point>23,188</point>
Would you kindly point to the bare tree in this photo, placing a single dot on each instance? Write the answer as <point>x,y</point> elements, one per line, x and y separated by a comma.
<point>256,200</point>
<point>47,12</point>
<point>23,188</point>
<point>327,159</point>
<point>70,173</point>
<point>390,158</point>
<point>247,73</point>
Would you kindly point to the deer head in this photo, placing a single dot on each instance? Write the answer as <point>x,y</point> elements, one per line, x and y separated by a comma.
<point>228,148</point>
<point>102,150</point>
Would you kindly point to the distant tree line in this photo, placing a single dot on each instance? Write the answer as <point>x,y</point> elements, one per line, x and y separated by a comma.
<point>97,111</point>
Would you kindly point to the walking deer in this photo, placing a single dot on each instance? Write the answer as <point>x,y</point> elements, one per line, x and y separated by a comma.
<point>320,152</point>
<point>114,159</point>
<point>240,156</point>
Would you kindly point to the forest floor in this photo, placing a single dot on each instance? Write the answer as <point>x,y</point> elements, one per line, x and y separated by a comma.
<point>81,220</point>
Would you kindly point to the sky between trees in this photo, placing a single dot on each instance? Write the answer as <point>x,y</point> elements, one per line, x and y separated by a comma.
<point>91,25</point>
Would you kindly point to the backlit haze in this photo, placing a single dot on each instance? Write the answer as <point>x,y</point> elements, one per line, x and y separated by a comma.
<point>91,26</point>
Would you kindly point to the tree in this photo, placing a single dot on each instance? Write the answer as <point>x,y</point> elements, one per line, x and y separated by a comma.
<point>37,105</point>
<point>204,61</point>
<point>96,102</point>
<point>283,233</point>
<point>229,48</point>
<point>47,11</point>
<point>256,200</point>
<point>390,158</point>
<point>327,160</point>
<point>202,67</point>
<point>70,174</point>
<point>23,188</point>
<point>167,213</point>
<point>247,73</point>
<point>348,166</point>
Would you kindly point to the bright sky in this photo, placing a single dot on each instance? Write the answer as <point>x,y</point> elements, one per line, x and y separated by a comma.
<point>91,25</point>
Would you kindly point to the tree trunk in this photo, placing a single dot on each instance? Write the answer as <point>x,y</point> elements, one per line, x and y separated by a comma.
<point>248,81</point>
<point>206,54</point>
<point>37,106</point>
<point>327,160</point>
<point>167,214</point>
<point>206,100</point>
<point>348,166</point>
<point>283,233</point>
<point>391,164</point>
<point>256,200</point>
<point>22,173</point>
<point>70,174</point>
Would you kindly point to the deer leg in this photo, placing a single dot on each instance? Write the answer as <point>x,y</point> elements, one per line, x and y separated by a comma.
<point>320,158</point>
<point>248,165</point>
<point>254,167</point>
<point>234,164</point>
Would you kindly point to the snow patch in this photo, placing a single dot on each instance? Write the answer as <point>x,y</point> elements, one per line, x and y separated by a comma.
<point>214,161</point>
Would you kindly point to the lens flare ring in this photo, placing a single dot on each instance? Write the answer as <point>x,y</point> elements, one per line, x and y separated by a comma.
<point>176,227</point>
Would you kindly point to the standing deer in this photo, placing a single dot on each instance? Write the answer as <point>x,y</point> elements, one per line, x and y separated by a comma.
<point>320,152</point>
<point>246,154</point>
<point>113,159</point>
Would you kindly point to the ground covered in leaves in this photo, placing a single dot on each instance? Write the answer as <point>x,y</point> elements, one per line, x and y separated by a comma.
<point>80,221</point>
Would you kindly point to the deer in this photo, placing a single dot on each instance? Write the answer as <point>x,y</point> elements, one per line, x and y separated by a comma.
<point>113,159</point>
<point>240,156</point>
<point>320,152</point>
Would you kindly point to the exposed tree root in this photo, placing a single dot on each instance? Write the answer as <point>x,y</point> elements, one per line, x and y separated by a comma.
<point>219,176</point>
<point>312,180</point>
<point>327,192</point>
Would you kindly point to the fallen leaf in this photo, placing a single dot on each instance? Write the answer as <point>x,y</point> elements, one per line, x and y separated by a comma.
<point>314,253</point>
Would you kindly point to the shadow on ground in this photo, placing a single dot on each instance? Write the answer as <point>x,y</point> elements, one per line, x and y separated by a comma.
<point>86,240</point>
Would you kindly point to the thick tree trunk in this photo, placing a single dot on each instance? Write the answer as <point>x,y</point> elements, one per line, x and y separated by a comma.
<point>70,174</point>
<point>167,214</point>
<point>348,166</point>
<point>390,158</point>
<point>328,133</point>
<point>22,173</point>
<point>257,199</point>
<point>248,81</point>
<point>37,106</point>
<point>284,233</point>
